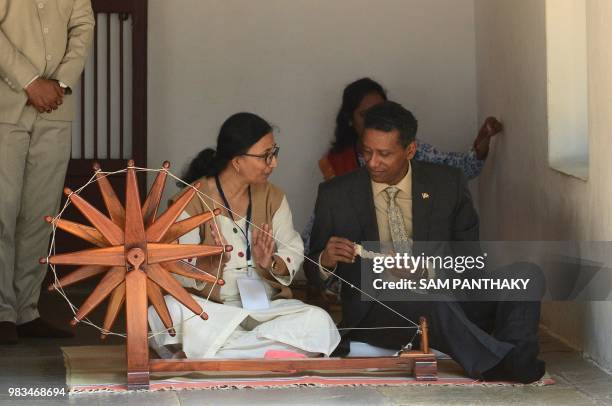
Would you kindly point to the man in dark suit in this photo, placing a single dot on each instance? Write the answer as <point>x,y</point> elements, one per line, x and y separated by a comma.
<point>394,199</point>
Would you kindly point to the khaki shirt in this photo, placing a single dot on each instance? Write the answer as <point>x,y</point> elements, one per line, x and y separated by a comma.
<point>45,38</point>
<point>403,199</point>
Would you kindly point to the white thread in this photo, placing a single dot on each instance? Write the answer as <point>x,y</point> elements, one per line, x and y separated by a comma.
<point>377,328</point>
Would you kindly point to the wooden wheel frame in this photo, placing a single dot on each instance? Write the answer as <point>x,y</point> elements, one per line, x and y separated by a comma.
<point>136,250</point>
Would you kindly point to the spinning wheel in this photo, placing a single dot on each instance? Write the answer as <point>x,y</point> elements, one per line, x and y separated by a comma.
<point>136,256</point>
<point>137,253</point>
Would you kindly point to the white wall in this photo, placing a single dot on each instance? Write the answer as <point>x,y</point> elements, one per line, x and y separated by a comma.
<point>566,50</point>
<point>289,61</point>
<point>521,198</point>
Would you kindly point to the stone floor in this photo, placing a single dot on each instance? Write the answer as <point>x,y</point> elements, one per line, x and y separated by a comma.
<point>38,363</point>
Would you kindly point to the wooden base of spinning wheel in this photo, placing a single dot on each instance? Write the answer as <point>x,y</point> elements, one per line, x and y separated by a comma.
<point>137,253</point>
<point>420,363</point>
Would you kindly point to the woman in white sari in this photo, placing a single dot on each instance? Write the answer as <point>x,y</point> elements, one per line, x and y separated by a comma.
<point>252,313</point>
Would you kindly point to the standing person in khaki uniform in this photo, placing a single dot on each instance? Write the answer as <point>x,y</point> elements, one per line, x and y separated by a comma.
<point>43,48</point>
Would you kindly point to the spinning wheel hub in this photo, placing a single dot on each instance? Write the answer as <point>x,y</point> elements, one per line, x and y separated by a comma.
<point>135,257</point>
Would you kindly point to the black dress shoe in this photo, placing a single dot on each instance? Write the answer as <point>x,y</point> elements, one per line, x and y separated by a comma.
<point>8,333</point>
<point>39,328</point>
<point>511,370</point>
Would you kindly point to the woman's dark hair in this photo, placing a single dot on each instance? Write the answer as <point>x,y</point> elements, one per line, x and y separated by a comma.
<point>237,134</point>
<point>344,134</point>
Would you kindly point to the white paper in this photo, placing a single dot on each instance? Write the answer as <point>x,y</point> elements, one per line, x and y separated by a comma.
<point>253,294</point>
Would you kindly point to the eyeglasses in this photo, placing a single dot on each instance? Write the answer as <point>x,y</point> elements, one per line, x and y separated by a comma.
<point>267,156</point>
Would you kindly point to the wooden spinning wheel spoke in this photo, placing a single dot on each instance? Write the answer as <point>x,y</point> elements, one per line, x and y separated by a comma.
<point>103,224</point>
<point>111,201</point>
<point>110,281</point>
<point>157,230</point>
<point>172,252</point>
<point>109,256</point>
<point>82,231</point>
<point>115,303</point>
<point>134,240</point>
<point>183,269</point>
<point>181,228</point>
<point>82,273</point>
<point>156,298</point>
<point>134,226</point>
<point>160,276</point>
<point>151,204</point>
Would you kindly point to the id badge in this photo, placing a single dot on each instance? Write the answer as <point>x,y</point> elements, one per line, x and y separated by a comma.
<point>253,293</point>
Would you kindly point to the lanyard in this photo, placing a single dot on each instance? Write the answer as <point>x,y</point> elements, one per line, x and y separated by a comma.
<point>248,217</point>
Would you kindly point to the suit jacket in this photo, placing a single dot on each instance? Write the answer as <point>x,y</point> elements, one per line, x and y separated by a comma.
<point>442,210</point>
<point>49,38</point>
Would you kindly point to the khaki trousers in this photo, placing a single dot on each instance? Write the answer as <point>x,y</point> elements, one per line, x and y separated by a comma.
<point>34,155</point>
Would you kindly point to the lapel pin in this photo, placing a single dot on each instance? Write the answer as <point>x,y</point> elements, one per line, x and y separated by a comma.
<point>425,195</point>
